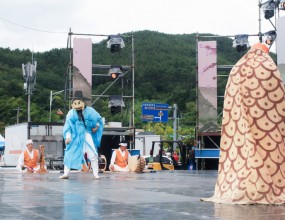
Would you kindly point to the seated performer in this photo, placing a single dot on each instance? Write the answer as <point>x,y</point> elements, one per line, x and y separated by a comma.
<point>119,160</point>
<point>29,159</point>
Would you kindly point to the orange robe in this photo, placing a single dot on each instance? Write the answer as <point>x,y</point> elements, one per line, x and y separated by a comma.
<point>120,160</point>
<point>32,163</point>
<point>252,157</point>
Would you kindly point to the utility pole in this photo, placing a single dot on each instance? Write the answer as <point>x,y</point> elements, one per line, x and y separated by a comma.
<point>18,111</point>
<point>29,74</point>
<point>174,126</point>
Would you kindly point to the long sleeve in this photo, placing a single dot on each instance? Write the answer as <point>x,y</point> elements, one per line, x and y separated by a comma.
<point>67,135</point>
<point>21,159</point>
<point>113,158</point>
<point>93,119</point>
<point>20,162</point>
<point>67,129</point>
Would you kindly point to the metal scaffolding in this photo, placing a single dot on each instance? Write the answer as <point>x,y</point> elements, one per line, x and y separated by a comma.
<point>125,68</point>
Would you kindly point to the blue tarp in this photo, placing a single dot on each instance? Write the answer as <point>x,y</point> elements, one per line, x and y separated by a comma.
<point>2,142</point>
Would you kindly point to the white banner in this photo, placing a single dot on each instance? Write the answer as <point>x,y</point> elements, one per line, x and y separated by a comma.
<point>82,63</point>
<point>280,46</point>
<point>207,86</point>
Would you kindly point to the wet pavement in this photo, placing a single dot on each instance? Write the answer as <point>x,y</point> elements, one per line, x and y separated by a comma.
<point>159,195</point>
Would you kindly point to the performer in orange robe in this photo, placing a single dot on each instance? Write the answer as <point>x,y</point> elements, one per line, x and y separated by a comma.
<point>119,159</point>
<point>252,150</point>
<point>29,159</point>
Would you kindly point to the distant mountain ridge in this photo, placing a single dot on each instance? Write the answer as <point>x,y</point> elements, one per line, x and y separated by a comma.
<point>165,71</point>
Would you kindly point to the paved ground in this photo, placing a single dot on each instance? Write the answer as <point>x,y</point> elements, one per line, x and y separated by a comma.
<point>160,195</point>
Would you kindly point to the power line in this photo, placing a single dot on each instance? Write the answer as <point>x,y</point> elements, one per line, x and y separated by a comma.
<point>51,32</point>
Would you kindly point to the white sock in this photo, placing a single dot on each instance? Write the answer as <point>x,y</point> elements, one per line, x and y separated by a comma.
<point>94,165</point>
<point>66,171</point>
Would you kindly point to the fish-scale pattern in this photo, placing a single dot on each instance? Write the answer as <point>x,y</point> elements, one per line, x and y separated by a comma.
<point>252,158</point>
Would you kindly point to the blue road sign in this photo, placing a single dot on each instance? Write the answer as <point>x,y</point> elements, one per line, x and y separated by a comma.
<point>154,112</point>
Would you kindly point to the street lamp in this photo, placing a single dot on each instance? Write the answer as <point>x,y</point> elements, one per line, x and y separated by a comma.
<point>51,97</point>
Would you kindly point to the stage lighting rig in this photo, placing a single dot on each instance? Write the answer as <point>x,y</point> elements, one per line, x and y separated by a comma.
<point>115,71</point>
<point>115,42</point>
<point>241,42</point>
<point>270,37</point>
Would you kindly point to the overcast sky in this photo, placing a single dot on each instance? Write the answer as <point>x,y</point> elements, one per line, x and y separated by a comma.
<point>41,25</point>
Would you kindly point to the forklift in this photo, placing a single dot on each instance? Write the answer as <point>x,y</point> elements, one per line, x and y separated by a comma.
<point>160,163</point>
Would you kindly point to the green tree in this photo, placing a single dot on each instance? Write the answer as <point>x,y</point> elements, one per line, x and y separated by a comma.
<point>165,72</point>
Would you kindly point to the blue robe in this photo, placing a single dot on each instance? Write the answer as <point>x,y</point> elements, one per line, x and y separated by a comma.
<point>74,154</point>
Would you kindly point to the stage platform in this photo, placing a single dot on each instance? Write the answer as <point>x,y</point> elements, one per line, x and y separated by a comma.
<point>158,195</point>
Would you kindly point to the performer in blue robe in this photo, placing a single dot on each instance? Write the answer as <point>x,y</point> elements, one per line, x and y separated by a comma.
<point>82,133</point>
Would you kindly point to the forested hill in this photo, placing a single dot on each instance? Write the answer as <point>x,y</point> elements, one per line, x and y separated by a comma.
<point>165,69</point>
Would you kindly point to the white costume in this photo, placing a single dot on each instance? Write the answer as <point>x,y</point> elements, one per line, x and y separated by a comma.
<point>82,132</point>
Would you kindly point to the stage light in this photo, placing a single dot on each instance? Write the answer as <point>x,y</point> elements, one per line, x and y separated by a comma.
<point>282,5</point>
<point>115,110</point>
<point>268,9</point>
<point>115,43</point>
<point>270,37</point>
<point>116,103</point>
<point>115,72</point>
<point>241,42</point>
